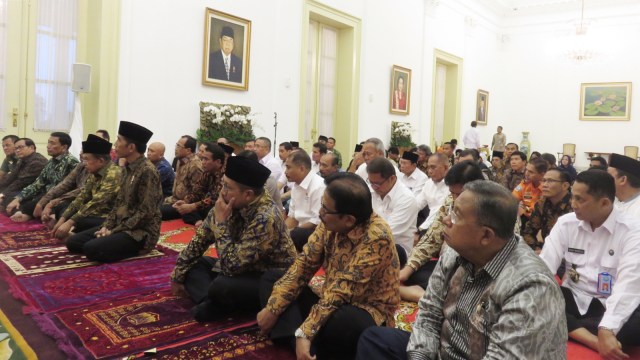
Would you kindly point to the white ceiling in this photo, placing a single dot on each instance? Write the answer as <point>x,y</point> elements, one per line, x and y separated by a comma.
<point>516,7</point>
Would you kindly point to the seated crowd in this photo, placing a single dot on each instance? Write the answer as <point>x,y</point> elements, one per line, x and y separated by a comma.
<point>506,258</point>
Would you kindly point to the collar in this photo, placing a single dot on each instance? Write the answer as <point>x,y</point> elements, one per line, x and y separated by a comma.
<point>137,163</point>
<point>306,182</point>
<point>360,231</point>
<point>60,157</point>
<point>494,267</point>
<point>266,158</point>
<point>105,169</point>
<point>247,213</point>
<point>187,158</point>
<point>608,224</point>
<point>631,199</point>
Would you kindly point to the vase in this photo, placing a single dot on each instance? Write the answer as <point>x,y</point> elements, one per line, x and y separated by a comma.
<point>525,145</point>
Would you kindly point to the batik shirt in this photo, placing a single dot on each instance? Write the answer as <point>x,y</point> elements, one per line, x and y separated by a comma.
<point>511,308</point>
<point>253,239</point>
<point>206,191</point>
<point>24,173</point>
<point>512,178</point>
<point>361,270</point>
<point>97,196</point>
<point>430,244</point>
<point>9,163</point>
<point>67,189</point>
<point>137,207</point>
<point>338,156</point>
<point>423,167</point>
<point>544,217</point>
<point>56,169</point>
<point>189,172</point>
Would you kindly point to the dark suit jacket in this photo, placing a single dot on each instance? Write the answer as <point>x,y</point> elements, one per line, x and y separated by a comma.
<point>24,173</point>
<point>218,71</point>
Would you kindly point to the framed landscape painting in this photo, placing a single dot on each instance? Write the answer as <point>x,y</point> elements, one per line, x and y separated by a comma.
<point>605,101</point>
<point>400,90</point>
<point>227,40</point>
<point>482,107</point>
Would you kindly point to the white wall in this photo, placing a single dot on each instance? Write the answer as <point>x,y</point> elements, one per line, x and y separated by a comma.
<point>515,59</point>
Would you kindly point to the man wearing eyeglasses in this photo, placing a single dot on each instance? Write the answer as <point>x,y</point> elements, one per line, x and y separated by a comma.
<point>555,202</point>
<point>29,166</point>
<point>355,246</point>
<point>490,296</point>
<point>392,200</point>
<point>187,176</point>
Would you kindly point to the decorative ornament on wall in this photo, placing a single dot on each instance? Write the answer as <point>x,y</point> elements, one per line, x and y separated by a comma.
<point>605,101</point>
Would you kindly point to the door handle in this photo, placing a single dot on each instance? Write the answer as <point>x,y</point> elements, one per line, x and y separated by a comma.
<point>14,115</point>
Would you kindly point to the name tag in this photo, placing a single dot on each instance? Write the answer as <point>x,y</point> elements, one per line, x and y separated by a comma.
<point>605,282</point>
<point>576,251</point>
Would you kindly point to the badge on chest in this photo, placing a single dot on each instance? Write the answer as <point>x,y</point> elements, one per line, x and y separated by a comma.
<point>605,283</point>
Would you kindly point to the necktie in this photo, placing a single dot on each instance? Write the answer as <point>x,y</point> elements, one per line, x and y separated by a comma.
<point>226,66</point>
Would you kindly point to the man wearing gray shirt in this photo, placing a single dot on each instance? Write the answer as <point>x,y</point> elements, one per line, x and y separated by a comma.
<point>490,296</point>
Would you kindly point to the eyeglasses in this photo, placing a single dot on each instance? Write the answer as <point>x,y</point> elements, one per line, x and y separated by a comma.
<point>19,147</point>
<point>377,185</point>
<point>544,181</point>
<point>452,215</point>
<point>326,211</point>
<point>180,146</point>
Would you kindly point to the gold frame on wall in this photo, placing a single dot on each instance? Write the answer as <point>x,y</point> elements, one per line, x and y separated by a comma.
<point>605,101</point>
<point>482,107</point>
<point>395,96</point>
<point>214,71</point>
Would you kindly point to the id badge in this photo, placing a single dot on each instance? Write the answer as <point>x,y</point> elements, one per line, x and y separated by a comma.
<point>605,282</point>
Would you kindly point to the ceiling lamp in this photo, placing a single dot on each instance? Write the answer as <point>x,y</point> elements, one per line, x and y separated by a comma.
<point>579,49</point>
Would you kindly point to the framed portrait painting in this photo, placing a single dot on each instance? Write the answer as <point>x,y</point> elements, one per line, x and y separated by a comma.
<point>227,41</point>
<point>482,107</point>
<point>605,101</point>
<point>400,90</point>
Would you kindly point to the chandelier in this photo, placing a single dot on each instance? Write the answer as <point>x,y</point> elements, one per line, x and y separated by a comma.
<point>579,50</point>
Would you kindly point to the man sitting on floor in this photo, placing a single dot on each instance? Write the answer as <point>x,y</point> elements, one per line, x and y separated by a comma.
<point>555,202</point>
<point>200,200</point>
<point>56,200</point>
<point>250,237</point>
<point>10,160</point>
<point>133,225</point>
<point>412,177</point>
<point>528,191</point>
<point>355,247</point>
<point>626,172</point>
<point>424,255</point>
<point>155,154</point>
<point>98,195</point>
<point>601,284</point>
<point>306,197</point>
<point>188,173</point>
<point>490,296</point>
<point>434,191</point>
<point>29,166</point>
<point>371,149</point>
<point>57,168</point>
<point>514,175</point>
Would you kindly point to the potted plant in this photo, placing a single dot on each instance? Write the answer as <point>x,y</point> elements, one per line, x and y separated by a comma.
<point>232,122</point>
<point>401,136</point>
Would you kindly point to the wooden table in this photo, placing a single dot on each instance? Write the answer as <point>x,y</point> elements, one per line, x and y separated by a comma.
<point>591,154</point>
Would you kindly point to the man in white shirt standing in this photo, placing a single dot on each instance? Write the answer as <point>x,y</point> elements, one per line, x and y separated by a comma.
<point>394,202</point>
<point>601,284</point>
<point>626,173</point>
<point>411,176</point>
<point>471,138</point>
<point>435,190</point>
<point>373,148</point>
<point>263,150</point>
<point>306,195</point>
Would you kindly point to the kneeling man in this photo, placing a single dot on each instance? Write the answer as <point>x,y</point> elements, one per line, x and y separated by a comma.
<point>250,237</point>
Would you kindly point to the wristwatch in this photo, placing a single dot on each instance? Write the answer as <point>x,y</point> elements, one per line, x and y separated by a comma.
<point>606,328</point>
<point>300,334</point>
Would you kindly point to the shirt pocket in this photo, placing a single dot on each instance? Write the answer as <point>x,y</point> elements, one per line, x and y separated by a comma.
<point>575,260</point>
<point>609,264</point>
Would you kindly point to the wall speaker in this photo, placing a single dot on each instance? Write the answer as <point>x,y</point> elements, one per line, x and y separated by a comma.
<point>81,78</point>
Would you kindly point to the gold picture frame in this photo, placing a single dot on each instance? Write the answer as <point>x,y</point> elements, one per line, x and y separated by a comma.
<point>227,40</point>
<point>482,107</point>
<point>400,92</point>
<point>605,101</point>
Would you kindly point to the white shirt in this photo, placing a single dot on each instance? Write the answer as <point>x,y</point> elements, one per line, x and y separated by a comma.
<point>315,167</point>
<point>471,139</point>
<point>614,248</point>
<point>433,194</point>
<point>305,199</point>
<point>362,170</point>
<point>272,164</point>
<point>415,182</point>
<point>630,207</point>
<point>400,210</point>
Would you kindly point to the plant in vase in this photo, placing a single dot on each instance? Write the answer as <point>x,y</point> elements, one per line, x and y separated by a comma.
<point>233,122</point>
<point>401,135</point>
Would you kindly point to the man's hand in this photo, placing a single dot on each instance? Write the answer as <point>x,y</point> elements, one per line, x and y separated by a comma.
<point>178,289</point>
<point>609,347</point>
<point>102,232</point>
<point>266,321</point>
<point>57,225</point>
<point>303,349</point>
<point>405,273</point>
<point>46,213</point>
<point>222,209</point>
<point>184,208</point>
<point>37,211</point>
<point>13,205</point>
<point>62,231</point>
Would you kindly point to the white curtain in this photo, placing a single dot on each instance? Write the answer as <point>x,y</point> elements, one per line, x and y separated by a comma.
<point>327,80</point>
<point>3,61</point>
<point>55,54</point>
<point>441,87</point>
<point>310,105</point>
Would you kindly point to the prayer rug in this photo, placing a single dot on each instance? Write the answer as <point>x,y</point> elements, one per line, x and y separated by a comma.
<point>6,225</point>
<point>42,260</point>
<point>60,290</point>
<point>178,239</point>
<point>12,344</point>
<point>26,240</point>
<point>171,225</point>
<point>240,344</point>
<point>131,325</point>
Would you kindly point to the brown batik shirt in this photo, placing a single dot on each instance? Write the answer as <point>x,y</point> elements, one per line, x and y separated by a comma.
<point>206,190</point>
<point>137,207</point>
<point>361,270</point>
<point>25,172</point>
<point>543,218</point>
<point>188,174</point>
<point>430,244</point>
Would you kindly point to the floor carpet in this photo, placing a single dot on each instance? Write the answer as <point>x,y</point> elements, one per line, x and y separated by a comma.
<point>12,344</point>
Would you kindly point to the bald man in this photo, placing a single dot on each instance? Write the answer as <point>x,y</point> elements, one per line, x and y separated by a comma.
<point>155,154</point>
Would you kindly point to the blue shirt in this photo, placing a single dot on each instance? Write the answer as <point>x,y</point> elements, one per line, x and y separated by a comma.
<point>167,176</point>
